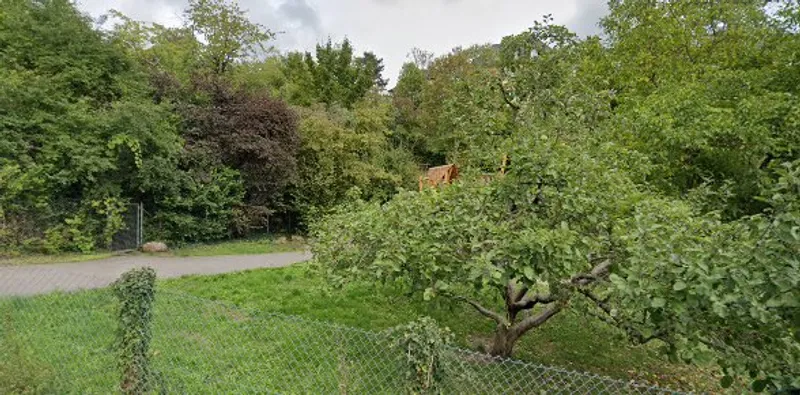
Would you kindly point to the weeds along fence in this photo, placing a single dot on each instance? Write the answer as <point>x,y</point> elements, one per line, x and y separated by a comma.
<point>67,339</point>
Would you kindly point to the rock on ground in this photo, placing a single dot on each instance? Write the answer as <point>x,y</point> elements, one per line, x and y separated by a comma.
<point>155,246</point>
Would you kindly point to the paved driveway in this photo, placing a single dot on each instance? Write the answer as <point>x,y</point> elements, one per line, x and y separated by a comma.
<point>38,279</point>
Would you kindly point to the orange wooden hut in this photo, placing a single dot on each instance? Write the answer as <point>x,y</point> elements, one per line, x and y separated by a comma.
<point>438,175</point>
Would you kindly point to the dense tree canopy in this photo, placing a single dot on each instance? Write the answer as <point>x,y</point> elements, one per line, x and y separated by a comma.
<point>651,184</point>
<point>79,130</point>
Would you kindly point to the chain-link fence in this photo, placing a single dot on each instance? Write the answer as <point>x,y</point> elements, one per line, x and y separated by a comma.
<point>63,342</point>
<point>70,225</point>
<point>131,234</point>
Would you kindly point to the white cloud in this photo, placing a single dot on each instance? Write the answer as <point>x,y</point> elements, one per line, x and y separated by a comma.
<point>390,28</point>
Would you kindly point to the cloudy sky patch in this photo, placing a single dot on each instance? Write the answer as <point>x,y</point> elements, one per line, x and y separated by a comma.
<point>390,28</point>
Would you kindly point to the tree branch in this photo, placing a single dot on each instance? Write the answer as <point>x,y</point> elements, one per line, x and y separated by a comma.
<point>486,312</point>
<point>599,271</point>
<point>527,302</point>
<point>632,332</point>
<point>535,320</point>
<point>521,292</point>
<point>508,101</point>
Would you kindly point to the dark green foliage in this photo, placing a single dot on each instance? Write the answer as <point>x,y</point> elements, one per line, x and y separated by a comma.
<point>136,293</point>
<point>78,127</point>
<point>195,204</point>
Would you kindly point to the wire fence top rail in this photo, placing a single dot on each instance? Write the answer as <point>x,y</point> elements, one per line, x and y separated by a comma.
<point>61,342</point>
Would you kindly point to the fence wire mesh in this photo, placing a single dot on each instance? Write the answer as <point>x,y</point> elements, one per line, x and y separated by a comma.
<point>131,234</point>
<point>57,335</point>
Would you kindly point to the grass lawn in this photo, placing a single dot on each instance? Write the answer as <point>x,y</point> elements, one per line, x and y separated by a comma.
<point>42,259</point>
<point>568,340</point>
<point>61,343</point>
<point>263,245</point>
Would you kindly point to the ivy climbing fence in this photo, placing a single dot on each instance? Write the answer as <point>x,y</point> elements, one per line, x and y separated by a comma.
<point>92,337</point>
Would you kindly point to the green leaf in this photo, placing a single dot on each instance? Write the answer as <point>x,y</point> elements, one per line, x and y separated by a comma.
<point>679,286</point>
<point>658,303</point>
<point>529,273</point>
<point>429,294</point>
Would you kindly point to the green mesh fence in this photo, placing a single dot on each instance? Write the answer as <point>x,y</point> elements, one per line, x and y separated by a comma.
<point>57,337</point>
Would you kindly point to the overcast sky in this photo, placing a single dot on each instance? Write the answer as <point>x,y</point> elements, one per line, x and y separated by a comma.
<point>390,28</point>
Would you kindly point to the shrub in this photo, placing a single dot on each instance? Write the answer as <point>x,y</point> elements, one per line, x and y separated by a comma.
<point>421,342</point>
<point>136,292</point>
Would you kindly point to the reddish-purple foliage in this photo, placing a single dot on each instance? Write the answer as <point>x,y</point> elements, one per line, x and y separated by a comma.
<point>250,132</point>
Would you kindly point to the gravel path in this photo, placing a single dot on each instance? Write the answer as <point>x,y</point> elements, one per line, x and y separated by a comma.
<point>39,279</point>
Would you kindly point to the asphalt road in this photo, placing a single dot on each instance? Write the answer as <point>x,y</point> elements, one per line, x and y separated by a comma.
<point>39,279</point>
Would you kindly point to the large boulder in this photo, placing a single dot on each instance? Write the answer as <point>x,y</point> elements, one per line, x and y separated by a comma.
<point>155,246</point>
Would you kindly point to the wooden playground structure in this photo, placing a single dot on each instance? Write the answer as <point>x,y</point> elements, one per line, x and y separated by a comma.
<point>438,176</point>
<point>443,175</point>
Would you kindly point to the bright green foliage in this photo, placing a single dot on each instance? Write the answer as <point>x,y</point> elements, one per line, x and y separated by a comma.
<point>78,128</point>
<point>551,231</point>
<point>462,107</point>
<point>136,291</point>
<point>343,149</point>
<point>407,101</point>
<point>171,55</point>
<point>704,91</point>
<point>227,32</point>
<point>536,228</point>
<point>728,287</point>
<point>264,76</point>
<point>333,75</point>
<point>652,183</point>
<point>422,342</point>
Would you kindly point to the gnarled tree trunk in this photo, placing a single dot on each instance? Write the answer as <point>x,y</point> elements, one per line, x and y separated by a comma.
<point>503,341</point>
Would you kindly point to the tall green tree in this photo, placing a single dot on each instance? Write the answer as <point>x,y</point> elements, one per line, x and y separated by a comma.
<point>251,133</point>
<point>345,149</point>
<point>227,33</point>
<point>78,125</point>
<point>334,75</point>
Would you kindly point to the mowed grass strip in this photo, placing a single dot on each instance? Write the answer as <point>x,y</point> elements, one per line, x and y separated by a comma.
<point>198,347</point>
<point>570,340</point>
<point>43,259</point>
<point>246,340</point>
<point>255,246</point>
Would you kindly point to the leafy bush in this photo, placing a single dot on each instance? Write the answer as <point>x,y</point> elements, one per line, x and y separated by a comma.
<point>422,343</point>
<point>196,205</point>
<point>135,290</point>
<point>344,149</point>
<point>77,129</point>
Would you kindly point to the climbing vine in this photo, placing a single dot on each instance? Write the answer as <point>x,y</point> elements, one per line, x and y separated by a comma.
<point>135,290</point>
